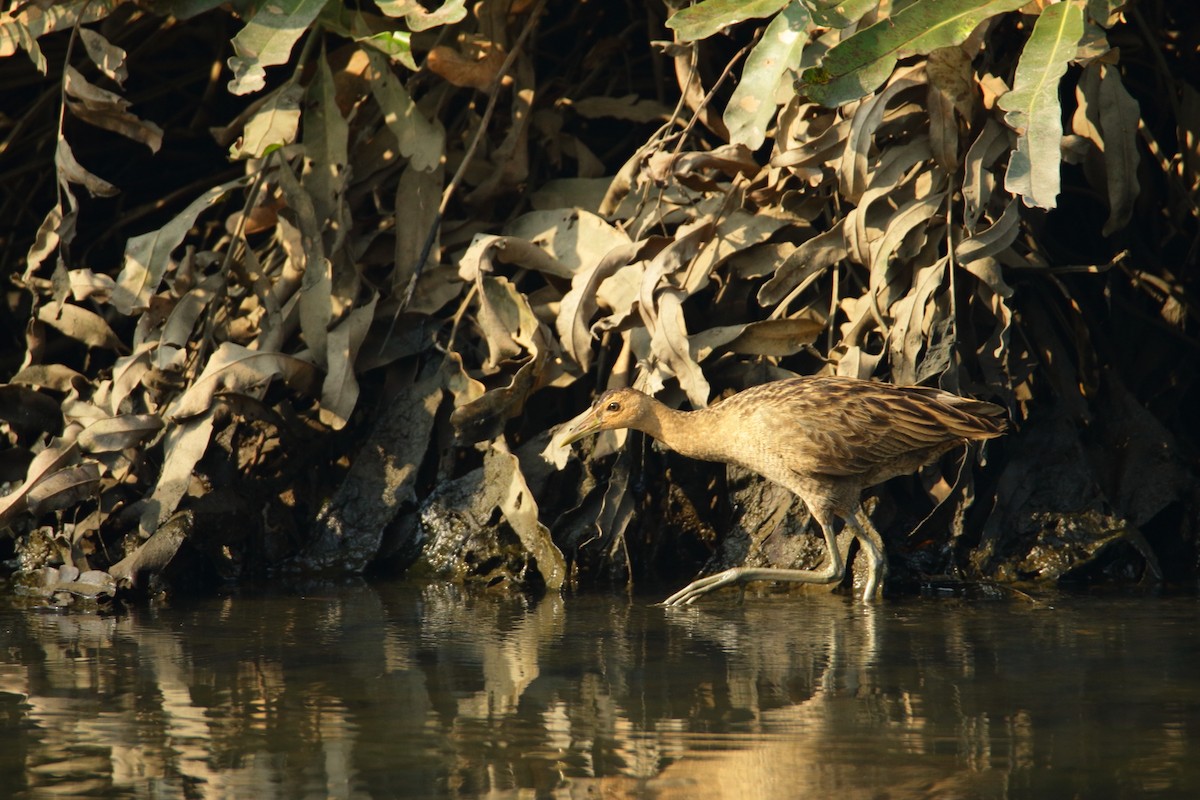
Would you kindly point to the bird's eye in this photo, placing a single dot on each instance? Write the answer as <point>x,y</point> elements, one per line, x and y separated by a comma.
<point>613,406</point>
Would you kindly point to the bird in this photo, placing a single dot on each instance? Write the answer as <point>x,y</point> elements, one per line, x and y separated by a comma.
<point>825,438</point>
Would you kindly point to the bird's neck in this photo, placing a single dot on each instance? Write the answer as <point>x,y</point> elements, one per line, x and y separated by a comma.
<point>682,431</point>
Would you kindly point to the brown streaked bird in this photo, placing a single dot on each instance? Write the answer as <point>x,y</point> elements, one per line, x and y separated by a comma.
<point>824,438</point>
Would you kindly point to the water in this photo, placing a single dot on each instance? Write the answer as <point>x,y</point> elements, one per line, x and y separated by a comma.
<point>401,691</point>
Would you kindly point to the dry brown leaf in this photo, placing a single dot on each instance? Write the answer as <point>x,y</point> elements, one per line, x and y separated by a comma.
<point>64,489</point>
<point>339,393</point>
<point>809,259</point>
<point>479,72</point>
<point>107,57</point>
<point>908,218</point>
<point>574,237</point>
<point>854,169</point>
<point>907,335</point>
<point>148,256</point>
<point>485,248</point>
<point>82,325</point>
<point>117,433</point>
<point>30,413</point>
<point>109,111</point>
<point>978,181</point>
<point>57,377</point>
<point>628,107</point>
<point>579,304</point>
<point>58,454</point>
<point>736,231</point>
<point>233,368</point>
<point>669,344</point>
<point>71,171</point>
<point>776,337</point>
<point>991,241</point>
<point>183,447</point>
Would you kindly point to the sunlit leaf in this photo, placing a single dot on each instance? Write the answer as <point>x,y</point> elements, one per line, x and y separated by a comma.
<point>34,20</point>
<point>267,40</point>
<point>978,181</point>
<point>1033,108</point>
<point>396,45</point>
<point>991,240</point>
<point>45,242</point>
<point>774,337</point>
<point>177,330</point>
<point>273,125</point>
<point>233,368</point>
<point>109,110</point>
<point>579,304</point>
<point>107,57</point>
<point>58,377</point>
<point>858,64</point>
<point>418,18</point>
<point>707,17</point>
<point>839,13</point>
<point>752,105</point>
<point>809,259</point>
<point>117,433</point>
<point>574,237</point>
<point>82,325</point>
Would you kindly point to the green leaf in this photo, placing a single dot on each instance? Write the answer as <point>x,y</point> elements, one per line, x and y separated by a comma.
<point>267,41</point>
<point>857,65</point>
<point>181,9</point>
<point>396,45</point>
<point>839,13</point>
<point>1104,12</point>
<point>1033,108</point>
<point>753,105</point>
<point>711,16</point>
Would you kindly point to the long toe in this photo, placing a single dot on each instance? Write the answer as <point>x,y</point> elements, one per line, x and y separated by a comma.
<point>697,588</point>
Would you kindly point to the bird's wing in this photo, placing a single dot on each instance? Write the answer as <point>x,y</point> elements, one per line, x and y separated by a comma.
<point>843,428</point>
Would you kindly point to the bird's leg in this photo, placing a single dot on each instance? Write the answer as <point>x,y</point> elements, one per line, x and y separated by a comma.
<point>831,573</point>
<point>872,544</point>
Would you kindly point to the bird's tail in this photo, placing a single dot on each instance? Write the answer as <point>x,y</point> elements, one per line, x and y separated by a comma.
<point>975,419</point>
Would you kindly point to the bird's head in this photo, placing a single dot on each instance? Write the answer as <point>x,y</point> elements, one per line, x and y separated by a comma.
<point>616,408</point>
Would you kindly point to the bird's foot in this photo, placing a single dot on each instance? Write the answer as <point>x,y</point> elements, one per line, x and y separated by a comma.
<point>688,594</point>
<point>702,586</point>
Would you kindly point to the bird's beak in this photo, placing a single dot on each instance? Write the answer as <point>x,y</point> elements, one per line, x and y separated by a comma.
<point>583,425</point>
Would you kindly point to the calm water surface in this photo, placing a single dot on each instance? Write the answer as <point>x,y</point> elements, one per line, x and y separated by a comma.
<point>401,691</point>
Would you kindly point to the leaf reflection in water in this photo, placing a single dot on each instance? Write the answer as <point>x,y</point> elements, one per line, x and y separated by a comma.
<point>392,690</point>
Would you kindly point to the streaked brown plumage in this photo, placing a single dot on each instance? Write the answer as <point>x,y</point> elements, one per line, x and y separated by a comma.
<point>826,439</point>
